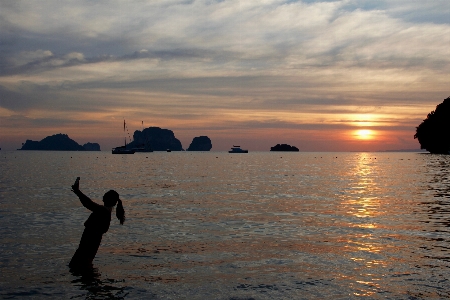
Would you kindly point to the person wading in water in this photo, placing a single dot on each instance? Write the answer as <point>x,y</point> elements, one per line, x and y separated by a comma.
<point>95,226</point>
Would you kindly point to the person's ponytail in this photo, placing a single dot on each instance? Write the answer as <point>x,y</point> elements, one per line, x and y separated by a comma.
<point>120,212</point>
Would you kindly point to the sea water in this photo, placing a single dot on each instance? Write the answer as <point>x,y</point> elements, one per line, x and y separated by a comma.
<point>214,225</point>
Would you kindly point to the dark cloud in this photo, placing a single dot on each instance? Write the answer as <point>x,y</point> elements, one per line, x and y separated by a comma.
<point>61,61</point>
<point>28,96</point>
<point>416,11</point>
<point>25,97</point>
<point>14,121</point>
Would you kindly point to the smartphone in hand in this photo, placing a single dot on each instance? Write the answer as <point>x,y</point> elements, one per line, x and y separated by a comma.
<point>76,185</point>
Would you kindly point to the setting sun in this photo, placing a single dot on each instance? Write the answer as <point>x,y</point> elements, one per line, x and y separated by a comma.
<point>364,134</point>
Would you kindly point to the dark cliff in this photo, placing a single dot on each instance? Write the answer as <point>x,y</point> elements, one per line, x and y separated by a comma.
<point>433,133</point>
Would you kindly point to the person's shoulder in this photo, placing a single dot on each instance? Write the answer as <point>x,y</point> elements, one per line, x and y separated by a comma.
<point>104,209</point>
<point>98,207</point>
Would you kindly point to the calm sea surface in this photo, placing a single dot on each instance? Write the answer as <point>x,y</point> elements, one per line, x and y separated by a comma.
<point>214,225</point>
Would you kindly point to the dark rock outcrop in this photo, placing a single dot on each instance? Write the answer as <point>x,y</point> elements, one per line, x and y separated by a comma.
<point>91,147</point>
<point>200,143</point>
<point>433,133</point>
<point>156,139</point>
<point>284,147</point>
<point>57,142</point>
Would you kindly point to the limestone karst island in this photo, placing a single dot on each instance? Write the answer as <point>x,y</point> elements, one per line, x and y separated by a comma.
<point>147,140</point>
<point>59,142</point>
<point>284,148</point>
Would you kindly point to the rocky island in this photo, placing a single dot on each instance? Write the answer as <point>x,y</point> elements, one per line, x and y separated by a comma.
<point>200,143</point>
<point>433,133</point>
<point>91,147</point>
<point>284,147</point>
<point>156,139</point>
<point>59,142</point>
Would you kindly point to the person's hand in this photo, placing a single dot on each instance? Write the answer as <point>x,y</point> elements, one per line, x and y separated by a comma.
<point>76,185</point>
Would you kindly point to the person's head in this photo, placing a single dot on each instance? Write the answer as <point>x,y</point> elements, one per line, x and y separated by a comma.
<point>110,199</point>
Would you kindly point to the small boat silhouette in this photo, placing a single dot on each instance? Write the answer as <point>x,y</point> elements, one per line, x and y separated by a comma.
<point>237,149</point>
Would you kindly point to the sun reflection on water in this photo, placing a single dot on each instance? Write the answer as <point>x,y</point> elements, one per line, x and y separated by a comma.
<point>362,203</point>
<point>361,199</point>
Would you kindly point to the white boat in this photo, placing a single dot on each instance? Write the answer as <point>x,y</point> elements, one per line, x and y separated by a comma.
<point>237,149</point>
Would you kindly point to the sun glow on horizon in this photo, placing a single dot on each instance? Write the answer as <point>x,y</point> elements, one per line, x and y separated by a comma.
<point>364,134</point>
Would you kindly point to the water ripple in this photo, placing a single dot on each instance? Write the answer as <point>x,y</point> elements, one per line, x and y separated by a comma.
<point>220,226</point>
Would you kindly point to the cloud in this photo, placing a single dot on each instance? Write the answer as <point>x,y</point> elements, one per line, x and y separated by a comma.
<point>416,11</point>
<point>26,57</point>
<point>257,61</point>
<point>238,35</point>
<point>40,60</point>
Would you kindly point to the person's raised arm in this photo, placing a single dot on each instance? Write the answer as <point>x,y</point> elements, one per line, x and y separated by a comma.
<point>85,200</point>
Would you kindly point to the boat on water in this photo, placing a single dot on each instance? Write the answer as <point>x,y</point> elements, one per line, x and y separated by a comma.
<point>143,148</point>
<point>237,149</point>
<point>122,150</point>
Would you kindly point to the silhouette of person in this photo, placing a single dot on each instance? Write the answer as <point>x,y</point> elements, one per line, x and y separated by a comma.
<point>95,226</point>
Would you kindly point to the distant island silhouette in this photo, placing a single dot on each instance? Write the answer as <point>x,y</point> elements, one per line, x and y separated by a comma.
<point>156,139</point>
<point>433,133</point>
<point>200,143</point>
<point>91,147</point>
<point>59,142</point>
<point>284,147</point>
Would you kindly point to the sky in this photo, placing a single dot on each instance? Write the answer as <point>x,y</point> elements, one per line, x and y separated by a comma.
<point>319,75</point>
